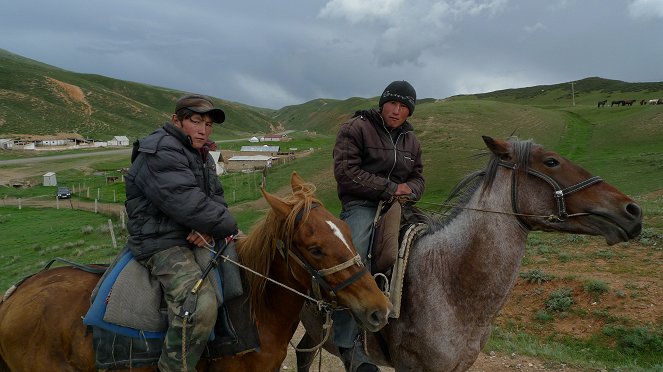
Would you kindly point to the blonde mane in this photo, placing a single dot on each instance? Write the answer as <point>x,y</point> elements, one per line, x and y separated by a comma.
<point>258,249</point>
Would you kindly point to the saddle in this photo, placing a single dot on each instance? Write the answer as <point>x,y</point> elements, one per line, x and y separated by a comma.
<point>397,225</point>
<point>128,315</point>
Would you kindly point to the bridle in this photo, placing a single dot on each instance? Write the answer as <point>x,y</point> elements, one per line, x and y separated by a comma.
<point>558,192</point>
<point>318,281</point>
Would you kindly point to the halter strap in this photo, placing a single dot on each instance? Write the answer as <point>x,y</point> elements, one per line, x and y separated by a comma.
<point>558,192</point>
<point>318,275</point>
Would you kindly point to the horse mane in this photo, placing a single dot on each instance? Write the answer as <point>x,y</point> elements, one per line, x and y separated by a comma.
<point>521,150</point>
<point>461,194</point>
<point>270,234</point>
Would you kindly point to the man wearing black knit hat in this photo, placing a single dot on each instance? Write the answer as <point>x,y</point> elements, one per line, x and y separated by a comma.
<point>376,157</point>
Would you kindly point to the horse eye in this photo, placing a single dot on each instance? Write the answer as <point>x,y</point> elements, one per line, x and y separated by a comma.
<point>315,251</point>
<point>551,162</point>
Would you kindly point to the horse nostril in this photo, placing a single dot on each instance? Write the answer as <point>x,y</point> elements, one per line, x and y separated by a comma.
<point>634,210</point>
<point>377,317</point>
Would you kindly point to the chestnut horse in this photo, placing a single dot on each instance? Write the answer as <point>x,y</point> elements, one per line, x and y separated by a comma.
<point>41,327</point>
<point>461,272</point>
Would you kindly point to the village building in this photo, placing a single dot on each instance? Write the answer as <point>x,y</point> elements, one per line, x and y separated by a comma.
<point>50,179</point>
<point>119,141</point>
<point>218,160</point>
<point>261,150</point>
<point>249,162</point>
<point>274,138</point>
<point>6,144</point>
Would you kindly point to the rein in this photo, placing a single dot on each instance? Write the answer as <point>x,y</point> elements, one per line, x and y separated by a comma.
<point>317,275</point>
<point>558,193</point>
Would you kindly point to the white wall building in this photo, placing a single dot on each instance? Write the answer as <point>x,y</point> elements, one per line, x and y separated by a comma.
<point>50,179</point>
<point>119,141</point>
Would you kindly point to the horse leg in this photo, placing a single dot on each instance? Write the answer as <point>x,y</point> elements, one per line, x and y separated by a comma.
<point>305,359</point>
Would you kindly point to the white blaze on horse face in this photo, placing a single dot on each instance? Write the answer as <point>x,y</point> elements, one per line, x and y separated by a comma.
<point>339,234</point>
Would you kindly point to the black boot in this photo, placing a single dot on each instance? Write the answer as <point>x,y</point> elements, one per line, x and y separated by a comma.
<point>356,360</point>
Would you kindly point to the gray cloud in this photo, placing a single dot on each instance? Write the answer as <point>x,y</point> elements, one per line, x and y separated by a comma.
<point>276,53</point>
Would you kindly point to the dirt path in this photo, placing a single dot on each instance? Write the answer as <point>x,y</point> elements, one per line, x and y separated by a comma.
<point>491,362</point>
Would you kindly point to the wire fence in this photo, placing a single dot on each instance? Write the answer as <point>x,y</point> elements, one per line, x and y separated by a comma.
<point>116,210</point>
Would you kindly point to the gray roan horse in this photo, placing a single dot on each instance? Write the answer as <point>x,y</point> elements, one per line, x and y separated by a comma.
<point>460,273</point>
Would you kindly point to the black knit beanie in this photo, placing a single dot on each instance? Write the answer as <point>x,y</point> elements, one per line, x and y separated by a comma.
<point>400,91</point>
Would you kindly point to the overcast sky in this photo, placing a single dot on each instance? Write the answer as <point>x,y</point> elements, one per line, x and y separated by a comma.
<point>273,53</point>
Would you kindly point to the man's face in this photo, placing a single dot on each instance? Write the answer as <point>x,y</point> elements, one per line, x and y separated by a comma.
<point>394,114</point>
<point>198,127</point>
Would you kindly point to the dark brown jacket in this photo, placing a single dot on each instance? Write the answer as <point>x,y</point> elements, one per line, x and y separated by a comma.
<point>370,161</point>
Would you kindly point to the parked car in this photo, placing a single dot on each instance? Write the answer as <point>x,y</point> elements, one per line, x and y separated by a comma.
<point>63,193</point>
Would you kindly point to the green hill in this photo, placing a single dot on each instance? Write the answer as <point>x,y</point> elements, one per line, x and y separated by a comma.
<point>40,99</point>
<point>621,143</point>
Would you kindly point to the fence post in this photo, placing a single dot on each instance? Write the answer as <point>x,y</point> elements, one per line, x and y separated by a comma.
<point>95,206</point>
<point>112,232</point>
<point>57,202</point>
<point>19,203</point>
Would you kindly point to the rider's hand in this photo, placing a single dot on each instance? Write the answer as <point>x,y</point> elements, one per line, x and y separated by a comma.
<point>199,239</point>
<point>403,189</point>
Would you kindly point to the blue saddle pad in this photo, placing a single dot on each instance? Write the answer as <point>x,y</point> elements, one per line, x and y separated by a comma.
<point>95,315</point>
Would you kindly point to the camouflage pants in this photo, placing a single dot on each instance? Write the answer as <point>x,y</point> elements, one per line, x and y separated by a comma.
<point>177,271</point>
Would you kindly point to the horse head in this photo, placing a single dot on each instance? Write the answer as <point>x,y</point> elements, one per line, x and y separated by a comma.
<point>319,251</point>
<point>553,194</point>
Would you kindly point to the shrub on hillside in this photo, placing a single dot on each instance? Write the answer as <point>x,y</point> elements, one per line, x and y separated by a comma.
<point>535,276</point>
<point>596,288</point>
<point>560,300</point>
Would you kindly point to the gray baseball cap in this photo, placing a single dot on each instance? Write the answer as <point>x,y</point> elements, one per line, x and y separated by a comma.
<point>202,105</point>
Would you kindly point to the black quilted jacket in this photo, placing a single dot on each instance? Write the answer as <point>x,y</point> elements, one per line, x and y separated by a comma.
<point>170,191</point>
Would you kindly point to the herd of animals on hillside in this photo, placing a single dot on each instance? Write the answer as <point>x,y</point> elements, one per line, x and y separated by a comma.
<point>630,102</point>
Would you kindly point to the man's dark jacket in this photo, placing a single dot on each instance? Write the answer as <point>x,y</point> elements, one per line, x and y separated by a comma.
<point>172,189</point>
<point>370,160</point>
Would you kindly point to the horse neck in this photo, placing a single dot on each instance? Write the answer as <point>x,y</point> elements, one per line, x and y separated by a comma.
<point>280,315</point>
<point>477,255</point>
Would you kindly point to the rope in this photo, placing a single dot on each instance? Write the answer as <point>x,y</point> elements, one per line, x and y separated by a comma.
<point>326,329</point>
<point>320,303</point>
<point>550,217</point>
<point>207,244</point>
<point>186,320</point>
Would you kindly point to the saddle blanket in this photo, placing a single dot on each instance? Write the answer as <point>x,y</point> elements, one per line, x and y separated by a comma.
<point>128,317</point>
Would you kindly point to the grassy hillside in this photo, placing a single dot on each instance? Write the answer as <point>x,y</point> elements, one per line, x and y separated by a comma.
<point>587,92</point>
<point>36,98</point>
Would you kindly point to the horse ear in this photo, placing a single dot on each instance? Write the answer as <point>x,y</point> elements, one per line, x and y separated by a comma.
<point>280,207</point>
<point>296,182</point>
<point>497,147</point>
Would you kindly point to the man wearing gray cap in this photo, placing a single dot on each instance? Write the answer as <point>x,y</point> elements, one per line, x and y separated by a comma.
<point>175,203</point>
